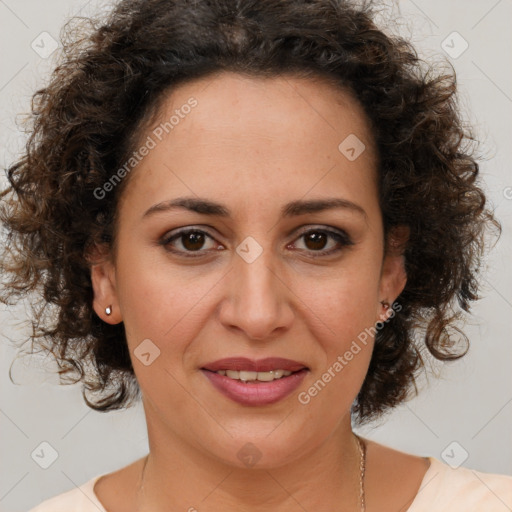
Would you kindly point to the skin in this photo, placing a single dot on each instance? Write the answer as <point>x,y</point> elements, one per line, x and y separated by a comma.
<point>253,145</point>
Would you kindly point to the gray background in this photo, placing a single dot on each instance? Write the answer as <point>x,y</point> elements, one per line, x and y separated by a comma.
<point>468,403</point>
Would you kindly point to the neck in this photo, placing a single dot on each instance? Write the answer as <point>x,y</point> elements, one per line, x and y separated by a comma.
<point>178,476</point>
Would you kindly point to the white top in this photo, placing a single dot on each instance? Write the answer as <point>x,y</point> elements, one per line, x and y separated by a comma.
<point>442,489</point>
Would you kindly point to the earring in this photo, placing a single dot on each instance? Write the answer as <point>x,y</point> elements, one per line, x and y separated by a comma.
<point>108,310</point>
<point>385,305</point>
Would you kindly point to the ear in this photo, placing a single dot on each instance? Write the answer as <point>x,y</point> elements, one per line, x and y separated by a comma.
<point>393,275</point>
<point>103,280</point>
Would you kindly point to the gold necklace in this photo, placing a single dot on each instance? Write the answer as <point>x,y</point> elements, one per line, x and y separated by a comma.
<point>362,470</point>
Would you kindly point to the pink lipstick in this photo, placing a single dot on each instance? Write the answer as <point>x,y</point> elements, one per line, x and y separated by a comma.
<point>255,383</point>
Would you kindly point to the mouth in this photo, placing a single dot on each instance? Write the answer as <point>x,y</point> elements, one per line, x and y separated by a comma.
<point>255,383</point>
<point>266,369</point>
<point>248,376</point>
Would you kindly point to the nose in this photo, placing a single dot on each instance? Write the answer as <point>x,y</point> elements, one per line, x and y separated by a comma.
<point>257,299</point>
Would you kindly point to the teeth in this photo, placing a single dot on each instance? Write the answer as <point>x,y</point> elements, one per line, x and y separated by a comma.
<point>261,376</point>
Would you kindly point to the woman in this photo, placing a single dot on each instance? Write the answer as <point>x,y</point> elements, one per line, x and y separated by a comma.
<point>243,213</point>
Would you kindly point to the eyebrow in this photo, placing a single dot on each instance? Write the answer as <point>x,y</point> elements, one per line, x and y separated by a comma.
<point>291,209</point>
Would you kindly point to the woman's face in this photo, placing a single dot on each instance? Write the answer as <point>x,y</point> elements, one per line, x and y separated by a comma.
<point>262,275</point>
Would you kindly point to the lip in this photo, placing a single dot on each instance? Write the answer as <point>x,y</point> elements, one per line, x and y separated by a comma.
<point>255,393</point>
<point>250,365</point>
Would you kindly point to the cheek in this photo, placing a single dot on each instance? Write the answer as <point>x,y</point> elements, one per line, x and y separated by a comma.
<point>160,303</point>
<point>345,339</point>
<point>346,333</point>
<point>345,302</point>
<point>160,322</point>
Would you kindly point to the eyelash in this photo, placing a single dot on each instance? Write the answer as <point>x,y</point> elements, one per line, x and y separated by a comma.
<point>341,237</point>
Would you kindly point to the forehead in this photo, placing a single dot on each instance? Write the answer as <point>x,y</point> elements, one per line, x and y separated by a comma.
<point>282,134</point>
<point>228,101</point>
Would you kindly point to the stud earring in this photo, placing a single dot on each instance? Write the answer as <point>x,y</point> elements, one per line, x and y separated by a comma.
<point>385,304</point>
<point>108,310</point>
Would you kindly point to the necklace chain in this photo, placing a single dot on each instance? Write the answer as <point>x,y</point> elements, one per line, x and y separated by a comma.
<point>362,471</point>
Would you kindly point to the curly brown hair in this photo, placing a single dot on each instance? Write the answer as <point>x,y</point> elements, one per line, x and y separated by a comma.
<point>109,84</point>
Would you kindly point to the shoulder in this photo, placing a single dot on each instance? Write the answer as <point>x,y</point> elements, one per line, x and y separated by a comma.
<point>411,483</point>
<point>79,499</point>
<point>447,488</point>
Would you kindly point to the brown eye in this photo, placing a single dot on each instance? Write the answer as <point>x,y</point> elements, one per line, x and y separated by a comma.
<point>187,241</point>
<point>193,240</point>
<point>316,240</point>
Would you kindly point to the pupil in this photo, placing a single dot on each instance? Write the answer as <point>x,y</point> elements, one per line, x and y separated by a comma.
<point>318,240</point>
<point>194,240</point>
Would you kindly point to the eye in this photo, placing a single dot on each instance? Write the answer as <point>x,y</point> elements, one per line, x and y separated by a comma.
<point>316,240</point>
<point>191,240</point>
<point>188,241</point>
